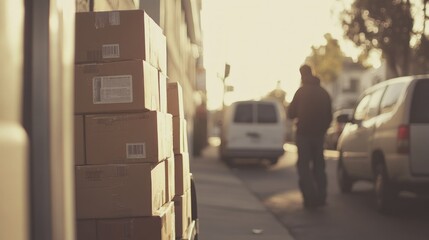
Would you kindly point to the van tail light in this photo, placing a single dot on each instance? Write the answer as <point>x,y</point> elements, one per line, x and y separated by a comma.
<point>403,139</point>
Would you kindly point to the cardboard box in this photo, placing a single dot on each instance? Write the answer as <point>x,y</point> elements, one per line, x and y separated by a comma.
<point>185,136</point>
<point>175,100</point>
<point>178,135</point>
<point>170,179</point>
<point>126,138</point>
<point>168,135</point>
<point>112,36</point>
<point>162,86</point>
<point>159,227</point>
<point>161,49</point>
<point>182,173</point>
<point>119,190</point>
<point>119,35</point>
<point>79,149</point>
<point>191,232</point>
<point>116,87</point>
<point>86,230</point>
<point>183,211</point>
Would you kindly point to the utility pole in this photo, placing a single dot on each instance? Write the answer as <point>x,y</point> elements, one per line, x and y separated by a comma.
<point>225,87</point>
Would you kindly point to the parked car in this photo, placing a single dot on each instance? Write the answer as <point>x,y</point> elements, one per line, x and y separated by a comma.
<point>253,129</point>
<point>335,130</point>
<point>386,140</point>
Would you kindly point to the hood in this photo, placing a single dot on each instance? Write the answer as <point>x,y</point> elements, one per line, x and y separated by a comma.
<point>310,80</point>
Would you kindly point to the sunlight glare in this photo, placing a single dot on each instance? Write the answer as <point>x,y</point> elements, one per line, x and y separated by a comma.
<point>263,41</point>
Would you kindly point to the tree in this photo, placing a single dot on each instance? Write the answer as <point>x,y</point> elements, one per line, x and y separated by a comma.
<point>278,94</point>
<point>327,60</point>
<point>386,25</point>
<point>422,49</point>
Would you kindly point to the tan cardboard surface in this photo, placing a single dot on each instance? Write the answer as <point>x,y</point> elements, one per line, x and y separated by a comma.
<point>79,144</point>
<point>175,99</point>
<point>119,190</point>
<point>190,232</point>
<point>178,135</point>
<point>116,87</point>
<point>162,55</point>
<point>126,33</point>
<point>185,136</point>
<point>170,179</point>
<point>119,35</point>
<point>159,227</point>
<point>183,210</point>
<point>168,139</point>
<point>182,173</point>
<point>125,138</point>
<point>162,85</point>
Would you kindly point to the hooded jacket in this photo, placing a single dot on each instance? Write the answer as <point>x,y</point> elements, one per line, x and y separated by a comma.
<point>311,106</point>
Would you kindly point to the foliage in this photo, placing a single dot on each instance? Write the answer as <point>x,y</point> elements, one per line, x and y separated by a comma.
<point>422,57</point>
<point>327,60</point>
<point>277,94</point>
<point>386,25</point>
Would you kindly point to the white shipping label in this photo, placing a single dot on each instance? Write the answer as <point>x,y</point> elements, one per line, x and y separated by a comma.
<point>114,19</point>
<point>112,89</point>
<point>110,51</point>
<point>136,150</point>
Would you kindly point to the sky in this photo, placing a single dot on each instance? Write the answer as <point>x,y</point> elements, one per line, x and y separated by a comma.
<point>264,42</point>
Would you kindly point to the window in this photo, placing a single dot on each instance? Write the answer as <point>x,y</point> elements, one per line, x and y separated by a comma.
<point>420,103</point>
<point>266,113</point>
<point>243,113</point>
<point>391,97</point>
<point>362,108</point>
<point>374,103</point>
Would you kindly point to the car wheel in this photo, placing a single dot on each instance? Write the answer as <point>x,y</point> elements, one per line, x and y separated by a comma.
<point>385,194</point>
<point>345,183</point>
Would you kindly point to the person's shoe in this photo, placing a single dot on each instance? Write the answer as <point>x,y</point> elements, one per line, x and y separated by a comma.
<point>320,202</point>
<point>310,205</point>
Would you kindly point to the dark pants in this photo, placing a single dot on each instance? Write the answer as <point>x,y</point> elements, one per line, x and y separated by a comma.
<point>311,169</point>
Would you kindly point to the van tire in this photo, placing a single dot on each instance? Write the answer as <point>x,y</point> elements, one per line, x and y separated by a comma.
<point>345,183</point>
<point>385,195</point>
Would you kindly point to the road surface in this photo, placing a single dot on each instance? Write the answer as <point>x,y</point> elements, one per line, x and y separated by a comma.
<point>351,216</point>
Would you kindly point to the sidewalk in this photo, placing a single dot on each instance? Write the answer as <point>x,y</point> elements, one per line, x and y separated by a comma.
<point>227,210</point>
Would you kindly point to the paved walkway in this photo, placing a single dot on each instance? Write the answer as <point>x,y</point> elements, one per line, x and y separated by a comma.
<point>227,210</point>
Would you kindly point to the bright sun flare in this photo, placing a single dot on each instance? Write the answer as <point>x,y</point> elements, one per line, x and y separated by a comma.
<point>264,42</point>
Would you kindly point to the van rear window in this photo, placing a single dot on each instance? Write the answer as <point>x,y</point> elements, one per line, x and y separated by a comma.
<point>266,113</point>
<point>243,113</point>
<point>420,103</point>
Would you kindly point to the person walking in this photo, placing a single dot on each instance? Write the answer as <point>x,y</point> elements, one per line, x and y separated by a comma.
<point>312,110</point>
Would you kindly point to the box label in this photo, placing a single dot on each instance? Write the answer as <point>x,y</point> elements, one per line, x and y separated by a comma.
<point>112,89</point>
<point>110,51</point>
<point>136,150</point>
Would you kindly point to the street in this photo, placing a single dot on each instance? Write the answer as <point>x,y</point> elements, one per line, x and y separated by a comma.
<point>351,216</point>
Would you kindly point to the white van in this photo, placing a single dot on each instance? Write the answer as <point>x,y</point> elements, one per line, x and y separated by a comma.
<point>387,140</point>
<point>253,129</point>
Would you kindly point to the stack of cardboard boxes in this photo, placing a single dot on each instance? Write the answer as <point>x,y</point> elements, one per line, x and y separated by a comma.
<point>182,199</point>
<point>126,172</point>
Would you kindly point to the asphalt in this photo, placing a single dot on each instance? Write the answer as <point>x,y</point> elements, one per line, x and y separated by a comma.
<point>227,210</point>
